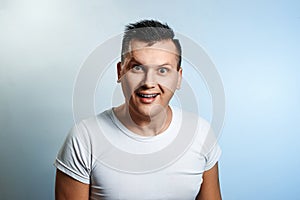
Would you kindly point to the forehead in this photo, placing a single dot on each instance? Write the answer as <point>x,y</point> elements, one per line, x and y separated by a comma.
<point>165,45</point>
<point>153,53</point>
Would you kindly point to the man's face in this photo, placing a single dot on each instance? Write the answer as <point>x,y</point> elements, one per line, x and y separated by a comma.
<point>149,76</point>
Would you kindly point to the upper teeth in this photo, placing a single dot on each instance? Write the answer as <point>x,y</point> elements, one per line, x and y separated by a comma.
<point>147,95</point>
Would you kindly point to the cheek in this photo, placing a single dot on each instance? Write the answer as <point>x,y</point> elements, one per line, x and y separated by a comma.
<point>129,84</point>
<point>170,83</point>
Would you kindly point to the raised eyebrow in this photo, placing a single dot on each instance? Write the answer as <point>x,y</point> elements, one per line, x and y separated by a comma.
<point>165,65</point>
<point>134,61</point>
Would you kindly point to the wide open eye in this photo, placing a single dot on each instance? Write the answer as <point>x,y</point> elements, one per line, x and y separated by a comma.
<point>137,68</point>
<point>163,70</point>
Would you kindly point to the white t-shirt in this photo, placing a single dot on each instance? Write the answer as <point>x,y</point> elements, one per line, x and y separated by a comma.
<point>119,164</point>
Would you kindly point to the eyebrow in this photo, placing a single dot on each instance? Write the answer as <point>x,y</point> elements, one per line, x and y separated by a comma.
<point>133,60</point>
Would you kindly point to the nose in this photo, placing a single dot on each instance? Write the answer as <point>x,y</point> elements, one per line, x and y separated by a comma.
<point>149,79</point>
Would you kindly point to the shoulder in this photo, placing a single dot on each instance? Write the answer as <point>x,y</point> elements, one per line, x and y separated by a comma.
<point>199,129</point>
<point>86,128</point>
<point>191,121</point>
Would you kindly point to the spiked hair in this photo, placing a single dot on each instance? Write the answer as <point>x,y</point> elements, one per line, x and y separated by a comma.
<point>149,31</point>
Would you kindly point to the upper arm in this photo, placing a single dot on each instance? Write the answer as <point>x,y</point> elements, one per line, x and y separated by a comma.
<point>210,188</point>
<point>67,188</point>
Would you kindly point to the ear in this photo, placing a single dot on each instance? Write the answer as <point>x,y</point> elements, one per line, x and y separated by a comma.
<point>179,78</point>
<point>119,71</point>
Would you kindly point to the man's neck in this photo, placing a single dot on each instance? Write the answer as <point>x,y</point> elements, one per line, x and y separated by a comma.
<point>144,125</point>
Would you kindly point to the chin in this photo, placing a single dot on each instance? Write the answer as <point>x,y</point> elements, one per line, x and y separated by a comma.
<point>151,110</point>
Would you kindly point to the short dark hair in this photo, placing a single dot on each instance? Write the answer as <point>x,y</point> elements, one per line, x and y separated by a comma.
<point>149,31</point>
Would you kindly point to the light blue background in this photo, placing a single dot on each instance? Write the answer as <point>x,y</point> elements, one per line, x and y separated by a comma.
<point>254,44</point>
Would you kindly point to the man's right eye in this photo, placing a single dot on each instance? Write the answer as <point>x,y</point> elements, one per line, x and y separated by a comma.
<point>137,68</point>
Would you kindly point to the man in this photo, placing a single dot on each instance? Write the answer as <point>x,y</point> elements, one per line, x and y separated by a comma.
<point>149,72</point>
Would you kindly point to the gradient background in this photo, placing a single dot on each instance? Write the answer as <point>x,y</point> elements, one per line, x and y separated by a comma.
<point>254,44</point>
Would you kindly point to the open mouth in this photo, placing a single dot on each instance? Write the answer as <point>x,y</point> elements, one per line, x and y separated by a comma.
<point>146,95</point>
<point>147,98</point>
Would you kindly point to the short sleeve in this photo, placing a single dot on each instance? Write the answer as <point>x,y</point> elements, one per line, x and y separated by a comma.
<point>208,140</point>
<point>74,157</point>
<point>212,157</point>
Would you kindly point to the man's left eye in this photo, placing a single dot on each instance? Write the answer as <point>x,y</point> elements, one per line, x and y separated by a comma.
<point>163,70</point>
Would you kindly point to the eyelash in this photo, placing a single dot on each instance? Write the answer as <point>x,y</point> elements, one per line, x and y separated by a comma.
<point>138,68</point>
<point>163,68</point>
